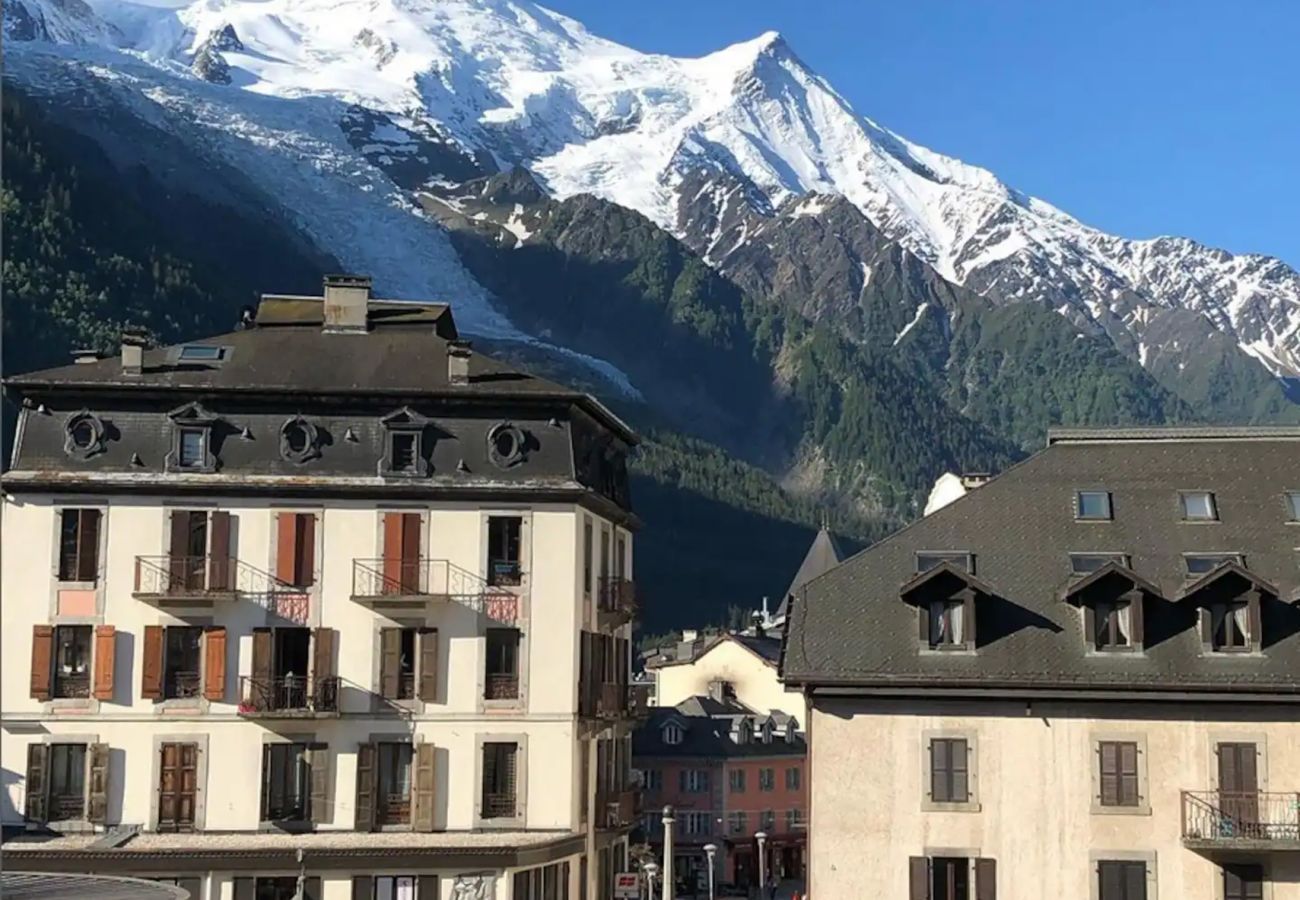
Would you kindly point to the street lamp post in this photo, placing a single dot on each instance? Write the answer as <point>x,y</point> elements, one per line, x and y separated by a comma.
<point>761,837</point>
<point>651,869</point>
<point>710,850</point>
<point>670,887</point>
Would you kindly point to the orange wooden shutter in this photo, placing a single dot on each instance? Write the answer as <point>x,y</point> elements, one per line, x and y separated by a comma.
<point>411,552</point>
<point>285,532</point>
<point>306,549</point>
<point>392,552</point>
<point>42,660</point>
<point>151,663</point>
<point>219,565</point>
<point>105,647</point>
<point>214,664</point>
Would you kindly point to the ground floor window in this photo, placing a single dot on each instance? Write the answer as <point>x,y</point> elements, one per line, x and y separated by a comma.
<point>1243,883</point>
<point>543,883</point>
<point>276,887</point>
<point>395,887</point>
<point>949,878</point>
<point>1121,880</point>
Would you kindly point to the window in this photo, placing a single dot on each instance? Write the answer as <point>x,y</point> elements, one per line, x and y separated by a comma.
<point>286,783</point>
<point>503,549</point>
<point>766,779</point>
<point>1118,773</point>
<point>398,654</point>
<point>586,557</point>
<point>201,353</point>
<point>949,781</point>
<point>737,822</point>
<point>1293,506</point>
<point>1121,880</point>
<point>82,433</point>
<point>767,821</point>
<point>1112,622</point>
<point>394,795</point>
<point>950,878</point>
<point>499,785</point>
<point>1198,506</point>
<point>1199,564</point>
<point>193,449</point>
<point>736,779</point>
<point>947,625</point>
<point>672,734</point>
<point>792,776</point>
<point>693,781</point>
<point>696,823</point>
<point>1087,563</point>
<point>501,681</point>
<point>793,820</point>
<point>927,560</point>
<point>654,779</point>
<point>1243,882</point>
<point>177,786</point>
<point>1093,506</point>
<point>299,440</point>
<point>181,668</point>
<point>544,883</point>
<point>403,452</point>
<point>67,789</point>
<point>295,549</point>
<point>1230,627</point>
<point>72,661</point>
<point>79,545</point>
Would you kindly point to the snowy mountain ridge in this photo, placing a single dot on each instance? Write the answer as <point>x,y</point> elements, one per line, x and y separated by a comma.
<point>682,140</point>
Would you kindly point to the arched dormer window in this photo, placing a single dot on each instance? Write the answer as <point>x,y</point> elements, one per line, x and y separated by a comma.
<point>673,734</point>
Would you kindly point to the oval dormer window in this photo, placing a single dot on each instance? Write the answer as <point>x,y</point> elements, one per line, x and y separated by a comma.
<point>506,443</point>
<point>83,435</point>
<point>298,440</point>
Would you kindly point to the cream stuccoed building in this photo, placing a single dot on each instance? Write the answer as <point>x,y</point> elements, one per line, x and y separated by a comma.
<point>329,606</point>
<point>1080,681</point>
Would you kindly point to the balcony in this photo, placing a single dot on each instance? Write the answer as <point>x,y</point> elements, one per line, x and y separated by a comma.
<point>615,602</point>
<point>396,582</point>
<point>501,686</point>
<point>1258,820</point>
<point>191,579</point>
<point>618,809</point>
<point>613,703</point>
<point>289,697</point>
<point>69,686</point>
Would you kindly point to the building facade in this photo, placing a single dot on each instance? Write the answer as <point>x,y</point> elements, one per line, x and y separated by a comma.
<point>329,597</point>
<point>746,664</point>
<point>1080,680</point>
<point>730,773</point>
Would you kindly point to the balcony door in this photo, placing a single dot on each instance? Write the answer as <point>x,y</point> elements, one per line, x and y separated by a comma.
<point>1239,787</point>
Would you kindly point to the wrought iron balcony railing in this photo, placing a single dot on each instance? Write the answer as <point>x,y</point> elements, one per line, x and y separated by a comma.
<point>289,695</point>
<point>71,687</point>
<point>390,578</point>
<point>499,806</point>
<point>501,686</point>
<point>202,577</point>
<point>1255,818</point>
<point>182,685</point>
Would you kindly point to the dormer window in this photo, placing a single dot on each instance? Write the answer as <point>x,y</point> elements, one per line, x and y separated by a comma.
<point>1087,563</point>
<point>1198,564</point>
<point>193,448</point>
<point>672,734</point>
<point>1198,506</point>
<point>1229,600</point>
<point>745,733</point>
<point>929,559</point>
<point>84,435</point>
<point>192,440</point>
<point>1230,627</point>
<point>946,629</point>
<point>1293,506</point>
<point>1112,621</point>
<point>1111,601</point>
<point>406,454</point>
<point>1093,506</point>
<point>767,732</point>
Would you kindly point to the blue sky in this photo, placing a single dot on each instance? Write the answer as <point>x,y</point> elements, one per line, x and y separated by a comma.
<point>1141,117</point>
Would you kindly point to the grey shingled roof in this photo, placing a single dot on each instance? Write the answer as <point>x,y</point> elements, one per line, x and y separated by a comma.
<point>850,627</point>
<point>824,555</point>
<point>707,725</point>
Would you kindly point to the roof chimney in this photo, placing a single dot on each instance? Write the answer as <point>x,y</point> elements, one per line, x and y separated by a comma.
<point>458,354</point>
<point>133,344</point>
<point>346,300</point>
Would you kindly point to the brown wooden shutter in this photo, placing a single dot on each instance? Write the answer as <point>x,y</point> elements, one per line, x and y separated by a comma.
<point>311,888</point>
<point>245,888</point>
<point>392,552</point>
<point>969,619</point>
<point>986,879</point>
<point>179,548</point>
<point>1135,881</point>
<point>428,691</point>
<point>262,689</point>
<point>322,642</point>
<point>168,783</point>
<point>97,784</point>
<point>426,886</point>
<point>214,663</point>
<point>151,663</point>
<point>1137,619</point>
<point>363,887</point>
<point>306,549</point>
<point>88,545</point>
<point>960,771</point>
<point>367,778</point>
<point>411,551</point>
<point>1108,761</point>
<point>38,765</point>
<point>1254,620</point>
<point>322,811</point>
<point>219,562</point>
<point>424,788</point>
<point>1128,774</point>
<point>390,656</point>
<point>1207,629</point>
<point>918,878</point>
<point>42,661</point>
<point>285,537</point>
<point>923,619</point>
<point>105,646</point>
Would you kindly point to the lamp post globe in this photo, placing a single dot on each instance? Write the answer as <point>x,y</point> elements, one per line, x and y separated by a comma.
<point>761,838</point>
<point>710,851</point>
<point>651,870</point>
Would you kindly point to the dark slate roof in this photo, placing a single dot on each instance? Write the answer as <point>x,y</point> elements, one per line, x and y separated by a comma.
<point>824,555</point>
<point>403,353</point>
<point>707,725</point>
<point>768,648</point>
<point>850,627</point>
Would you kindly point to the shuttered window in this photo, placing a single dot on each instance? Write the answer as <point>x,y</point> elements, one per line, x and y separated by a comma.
<point>178,786</point>
<point>501,680</point>
<point>1243,883</point>
<point>394,794</point>
<point>295,551</point>
<point>1119,773</point>
<point>66,796</point>
<point>395,887</point>
<point>286,783</point>
<point>499,799</point>
<point>1121,880</point>
<point>949,772</point>
<point>79,545</point>
<point>72,661</point>
<point>504,543</point>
